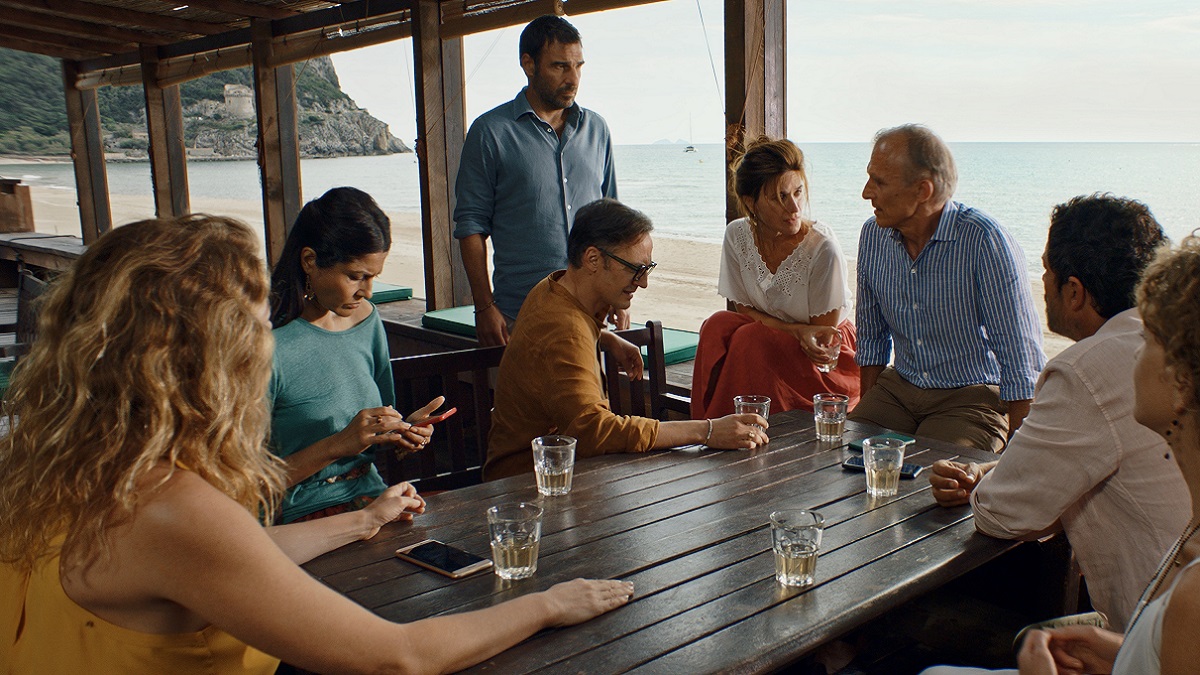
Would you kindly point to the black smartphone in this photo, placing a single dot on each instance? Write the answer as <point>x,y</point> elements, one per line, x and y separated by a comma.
<point>908,471</point>
<point>443,558</point>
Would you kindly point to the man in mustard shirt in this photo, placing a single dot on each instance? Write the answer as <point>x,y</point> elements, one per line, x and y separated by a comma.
<point>550,375</point>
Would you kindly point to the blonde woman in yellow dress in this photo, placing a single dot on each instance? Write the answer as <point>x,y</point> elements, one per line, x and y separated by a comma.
<point>136,484</point>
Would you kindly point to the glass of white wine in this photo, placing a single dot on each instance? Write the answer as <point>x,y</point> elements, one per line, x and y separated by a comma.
<point>796,541</point>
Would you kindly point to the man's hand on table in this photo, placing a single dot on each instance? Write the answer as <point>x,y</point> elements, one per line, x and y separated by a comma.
<point>953,482</point>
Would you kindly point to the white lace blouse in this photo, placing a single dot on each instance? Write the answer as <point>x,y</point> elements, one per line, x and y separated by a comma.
<point>810,282</point>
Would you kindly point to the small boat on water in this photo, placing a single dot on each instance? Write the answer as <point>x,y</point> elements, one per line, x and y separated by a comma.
<point>690,148</point>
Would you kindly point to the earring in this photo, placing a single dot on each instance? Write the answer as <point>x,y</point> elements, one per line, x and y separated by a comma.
<point>308,291</point>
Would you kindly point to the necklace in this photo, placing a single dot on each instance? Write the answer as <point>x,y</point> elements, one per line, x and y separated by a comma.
<point>1160,576</point>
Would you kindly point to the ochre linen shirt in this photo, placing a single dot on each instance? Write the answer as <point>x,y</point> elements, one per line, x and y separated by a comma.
<point>1080,462</point>
<point>550,379</point>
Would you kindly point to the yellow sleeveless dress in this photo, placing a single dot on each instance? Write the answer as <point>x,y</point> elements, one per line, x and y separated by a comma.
<point>43,631</point>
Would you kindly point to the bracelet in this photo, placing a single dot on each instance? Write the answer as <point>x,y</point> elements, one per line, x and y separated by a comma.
<point>486,307</point>
<point>708,436</point>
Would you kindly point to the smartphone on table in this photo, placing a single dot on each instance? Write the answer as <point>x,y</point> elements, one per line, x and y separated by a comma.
<point>908,471</point>
<point>443,558</point>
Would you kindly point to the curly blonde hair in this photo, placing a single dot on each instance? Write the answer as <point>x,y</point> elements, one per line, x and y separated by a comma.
<point>1169,301</point>
<point>153,349</point>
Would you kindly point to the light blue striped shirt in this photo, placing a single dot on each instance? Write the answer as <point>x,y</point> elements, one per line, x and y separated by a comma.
<point>520,184</point>
<point>960,314</point>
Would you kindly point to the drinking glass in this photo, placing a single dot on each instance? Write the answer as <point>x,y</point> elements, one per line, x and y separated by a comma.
<point>516,531</point>
<point>883,456</point>
<point>796,540</point>
<point>832,350</point>
<point>829,415</point>
<point>760,405</point>
<point>554,464</point>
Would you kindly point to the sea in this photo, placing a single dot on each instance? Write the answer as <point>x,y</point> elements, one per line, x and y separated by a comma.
<point>684,192</point>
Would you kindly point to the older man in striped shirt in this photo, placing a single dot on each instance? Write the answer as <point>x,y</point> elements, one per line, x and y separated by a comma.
<point>945,286</point>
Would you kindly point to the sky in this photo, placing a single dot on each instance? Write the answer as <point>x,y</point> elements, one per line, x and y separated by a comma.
<point>973,70</point>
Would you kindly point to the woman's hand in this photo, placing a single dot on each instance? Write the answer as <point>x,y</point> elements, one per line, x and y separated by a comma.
<point>818,341</point>
<point>399,502</point>
<point>1072,649</point>
<point>577,601</point>
<point>745,430</point>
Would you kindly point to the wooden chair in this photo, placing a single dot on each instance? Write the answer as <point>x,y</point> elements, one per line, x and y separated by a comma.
<point>29,289</point>
<point>648,397</point>
<point>454,458</point>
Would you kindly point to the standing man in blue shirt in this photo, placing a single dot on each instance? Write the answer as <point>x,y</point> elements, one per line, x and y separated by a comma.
<point>527,166</point>
<point>947,287</point>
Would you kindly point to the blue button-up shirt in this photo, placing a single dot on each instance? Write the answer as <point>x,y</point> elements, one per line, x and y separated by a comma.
<point>520,184</point>
<point>960,314</point>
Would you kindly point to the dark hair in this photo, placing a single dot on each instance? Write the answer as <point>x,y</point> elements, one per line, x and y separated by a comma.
<point>544,30</point>
<point>1106,242</point>
<point>762,164</point>
<point>341,225</point>
<point>605,223</point>
<point>928,157</point>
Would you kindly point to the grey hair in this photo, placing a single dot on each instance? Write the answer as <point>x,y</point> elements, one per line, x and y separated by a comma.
<point>928,157</point>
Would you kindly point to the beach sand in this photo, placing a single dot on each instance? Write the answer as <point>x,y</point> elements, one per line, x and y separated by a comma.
<point>682,290</point>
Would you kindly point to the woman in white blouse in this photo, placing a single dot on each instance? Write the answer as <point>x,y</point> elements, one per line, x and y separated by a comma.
<point>784,276</point>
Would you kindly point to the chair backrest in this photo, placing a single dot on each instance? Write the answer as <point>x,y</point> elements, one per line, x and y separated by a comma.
<point>29,289</point>
<point>649,396</point>
<point>455,455</point>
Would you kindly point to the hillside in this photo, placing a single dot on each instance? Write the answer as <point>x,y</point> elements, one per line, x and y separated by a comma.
<point>218,118</point>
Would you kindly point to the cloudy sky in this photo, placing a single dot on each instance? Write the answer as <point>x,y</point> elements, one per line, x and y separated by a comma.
<point>974,70</point>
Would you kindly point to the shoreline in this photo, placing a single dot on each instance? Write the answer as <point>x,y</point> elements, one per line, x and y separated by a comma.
<point>682,290</point>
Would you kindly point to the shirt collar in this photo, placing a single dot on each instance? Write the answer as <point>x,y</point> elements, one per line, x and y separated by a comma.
<point>521,107</point>
<point>947,228</point>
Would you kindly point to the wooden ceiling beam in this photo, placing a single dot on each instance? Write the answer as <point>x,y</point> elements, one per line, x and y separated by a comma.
<point>21,44</point>
<point>83,45</point>
<point>236,8</point>
<point>294,50</point>
<point>86,10</point>
<point>14,14</point>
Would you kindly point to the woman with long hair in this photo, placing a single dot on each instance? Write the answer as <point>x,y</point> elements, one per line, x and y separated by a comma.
<point>785,275</point>
<point>331,389</point>
<point>136,481</point>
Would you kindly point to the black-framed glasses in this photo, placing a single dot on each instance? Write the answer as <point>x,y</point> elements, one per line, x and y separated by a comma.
<point>639,271</point>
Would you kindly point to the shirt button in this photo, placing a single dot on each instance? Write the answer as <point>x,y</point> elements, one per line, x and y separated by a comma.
<point>919,343</point>
<point>568,207</point>
<point>914,305</point>
<point>925,375</point>
<point>550,129</point>
<point>913,271</point>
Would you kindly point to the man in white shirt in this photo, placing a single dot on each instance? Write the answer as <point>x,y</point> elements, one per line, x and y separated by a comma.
<point>1080,463</point>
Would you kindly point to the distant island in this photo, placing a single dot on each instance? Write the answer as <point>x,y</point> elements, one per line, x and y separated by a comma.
<point>218,112</point>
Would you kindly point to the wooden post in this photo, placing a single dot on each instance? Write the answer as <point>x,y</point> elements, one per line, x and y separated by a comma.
<point>168,156</point>
<point>278,141</point>
<point>755,76</point>
<point>438,66</point>
<point>87,154</point>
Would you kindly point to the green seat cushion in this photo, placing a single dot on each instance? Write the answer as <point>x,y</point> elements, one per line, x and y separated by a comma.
<point>381,292</point>
<point>678,345</point>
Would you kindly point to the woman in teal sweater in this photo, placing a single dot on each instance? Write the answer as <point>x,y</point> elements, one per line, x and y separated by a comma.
<point>331,386</point>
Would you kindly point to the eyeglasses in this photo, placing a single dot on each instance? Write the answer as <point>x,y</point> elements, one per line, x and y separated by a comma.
<point>639,271</point>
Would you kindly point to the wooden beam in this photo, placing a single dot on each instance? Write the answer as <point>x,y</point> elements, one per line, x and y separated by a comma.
<point>44,49</point>
<point>178,71</point>
<point>755,76</point>
<point>12,29</point>
<point>278,143</point>
<point>236,8</point>
<point>14,14</point>
<point>294,50</point>
<point>87,154</point>
<point>168,157</point>
<point>85,10</point>
<point>441,120</point>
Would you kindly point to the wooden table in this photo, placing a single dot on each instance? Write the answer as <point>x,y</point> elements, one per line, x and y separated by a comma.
<point>689,528</point>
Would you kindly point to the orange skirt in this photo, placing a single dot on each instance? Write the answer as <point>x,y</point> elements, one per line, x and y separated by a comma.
<point>738,355</point>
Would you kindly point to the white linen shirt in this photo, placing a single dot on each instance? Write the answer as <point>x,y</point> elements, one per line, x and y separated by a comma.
<point>810,282</point>
<point>1081,462</point>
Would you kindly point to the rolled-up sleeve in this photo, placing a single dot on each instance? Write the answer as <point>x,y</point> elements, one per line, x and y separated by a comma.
<point>475,187</point>
<point>874,335</point>
<point>1006,310</point>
